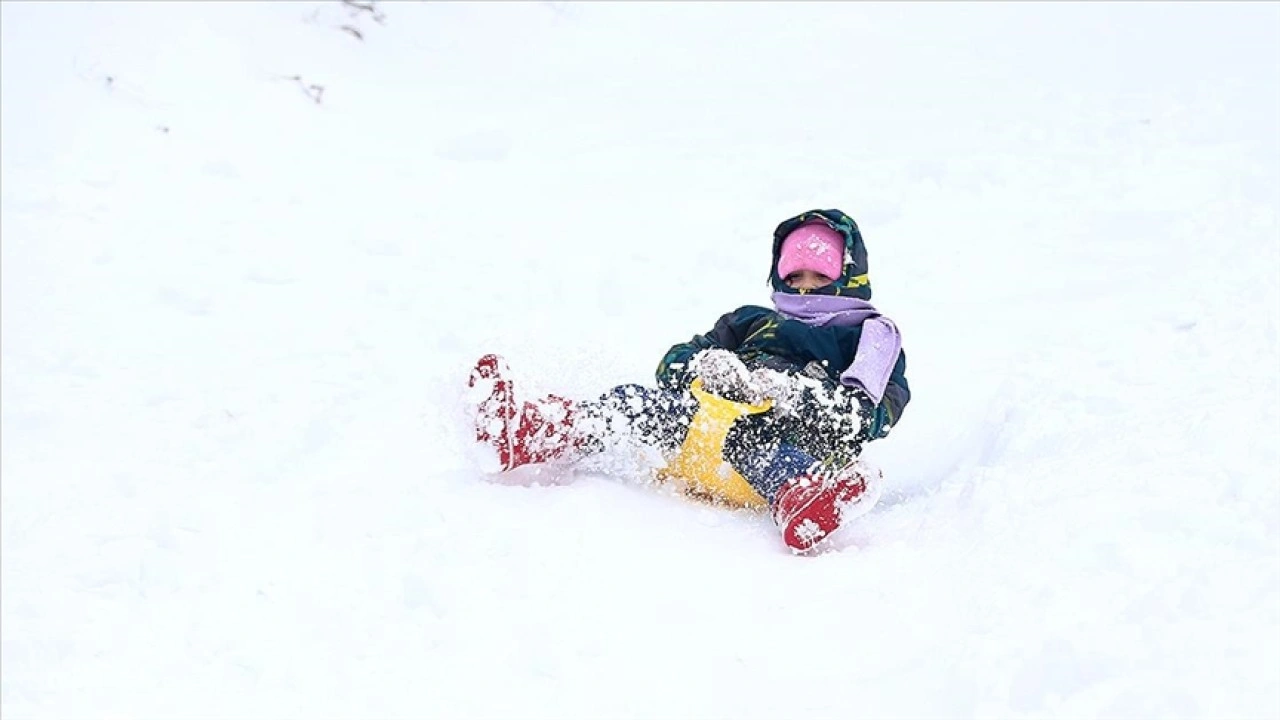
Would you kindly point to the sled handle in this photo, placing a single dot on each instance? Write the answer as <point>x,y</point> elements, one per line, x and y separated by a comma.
<point>710,400</point>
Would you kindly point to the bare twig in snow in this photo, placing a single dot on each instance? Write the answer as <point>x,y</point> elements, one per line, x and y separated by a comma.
<point>313,91</point>
<point>369,7</point>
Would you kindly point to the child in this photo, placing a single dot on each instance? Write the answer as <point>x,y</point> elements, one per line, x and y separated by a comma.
<point>832,366</point>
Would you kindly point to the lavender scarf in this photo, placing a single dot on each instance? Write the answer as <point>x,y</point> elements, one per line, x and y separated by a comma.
<point>877,350</point>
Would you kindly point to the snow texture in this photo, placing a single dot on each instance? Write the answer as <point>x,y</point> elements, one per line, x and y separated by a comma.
<point>248,259</point>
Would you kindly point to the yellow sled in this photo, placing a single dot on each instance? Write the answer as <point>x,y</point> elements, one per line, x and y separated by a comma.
<point>699,465</point>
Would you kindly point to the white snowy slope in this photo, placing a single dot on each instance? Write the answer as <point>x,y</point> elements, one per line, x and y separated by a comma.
<point>237,323</point>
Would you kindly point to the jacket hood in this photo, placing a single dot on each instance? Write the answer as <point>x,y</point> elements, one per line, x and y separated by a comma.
<point>853,281</point>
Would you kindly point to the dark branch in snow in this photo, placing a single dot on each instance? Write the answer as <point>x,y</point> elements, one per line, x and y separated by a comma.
<point>369,7</point>
<point>313,91</point>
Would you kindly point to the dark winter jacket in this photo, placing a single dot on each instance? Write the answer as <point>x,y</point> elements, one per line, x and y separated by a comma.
<point>765,338</point>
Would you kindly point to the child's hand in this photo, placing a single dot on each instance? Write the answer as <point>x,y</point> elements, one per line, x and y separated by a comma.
<point>722,374</point>
<point>783,389</point>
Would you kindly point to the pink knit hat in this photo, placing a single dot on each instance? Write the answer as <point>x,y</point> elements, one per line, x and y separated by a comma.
<point>813,246</point>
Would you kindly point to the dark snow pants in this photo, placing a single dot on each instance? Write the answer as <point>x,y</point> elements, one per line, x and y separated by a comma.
<point>766,449</point>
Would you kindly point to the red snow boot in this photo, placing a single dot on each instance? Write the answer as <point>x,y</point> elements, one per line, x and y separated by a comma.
<point>520,433</point>
<point>811,506</point>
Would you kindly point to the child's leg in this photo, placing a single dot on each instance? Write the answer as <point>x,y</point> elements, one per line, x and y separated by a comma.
<point>650,416</point>
<point>826,422</point>
<point>556,429</point>
<point>755,447</point>
<point>520,432</point>
<point>809,498</point>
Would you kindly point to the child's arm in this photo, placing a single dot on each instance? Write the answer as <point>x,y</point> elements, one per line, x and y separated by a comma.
<point>728,333</point>
<point>896,396</point>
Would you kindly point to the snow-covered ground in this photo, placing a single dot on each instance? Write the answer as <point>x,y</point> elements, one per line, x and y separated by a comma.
<point>237,323</point>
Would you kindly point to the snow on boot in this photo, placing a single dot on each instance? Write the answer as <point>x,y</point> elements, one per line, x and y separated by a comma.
<point>520,433</point>
<point>812,505</point>
<point>494,407</point>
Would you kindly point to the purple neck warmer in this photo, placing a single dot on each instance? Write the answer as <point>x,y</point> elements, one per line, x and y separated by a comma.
<point>821,310</point>
<point>877,350</point>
